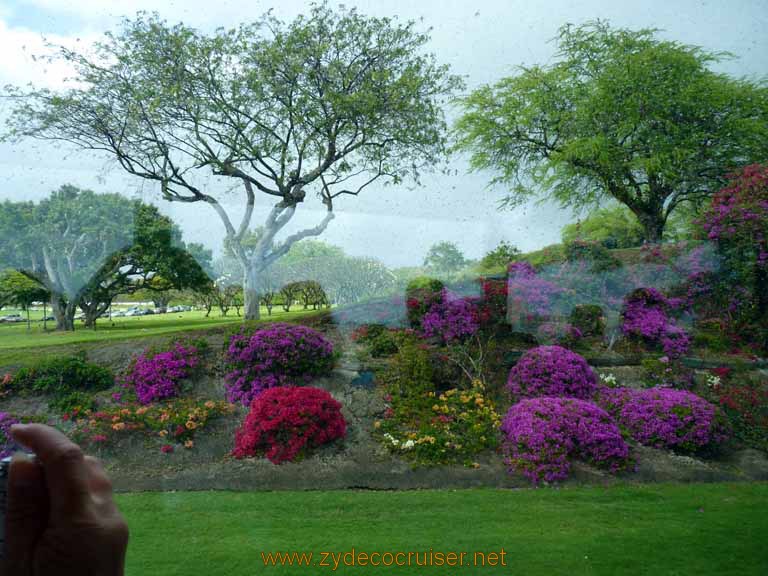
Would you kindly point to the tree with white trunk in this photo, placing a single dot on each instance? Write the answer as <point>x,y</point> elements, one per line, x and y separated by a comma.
<point>325,105</point>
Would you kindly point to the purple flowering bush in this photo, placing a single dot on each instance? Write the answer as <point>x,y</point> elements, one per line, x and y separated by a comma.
<point>157,376</point>
<point>665,417</point>
<point>646,315</point>
<point>530,296</point>
<point>7,445</point>
<point>542,435</point>
<point>452,318</point>
<point>279,354</point>
<point>552,371</point>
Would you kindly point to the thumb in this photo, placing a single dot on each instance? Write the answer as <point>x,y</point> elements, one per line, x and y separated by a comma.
<point>27,514</point>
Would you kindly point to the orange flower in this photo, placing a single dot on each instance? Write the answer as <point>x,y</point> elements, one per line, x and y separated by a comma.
<point>189,444</point>
<point>164,416</point>
<point>163,433</point>
<point>118,426</point>
<point>191,425</point>
<point>210,404</point>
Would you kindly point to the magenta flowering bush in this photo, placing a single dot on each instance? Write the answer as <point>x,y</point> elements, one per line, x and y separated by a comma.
<point>646,315</point>
<point>158,376</point>
<point>7,445</point>
<point>552,371</point>
<point>542,435</point>
<point>452,318</point>
<point>279,354</point>
<point>529,294</point>
<point>665,417</point>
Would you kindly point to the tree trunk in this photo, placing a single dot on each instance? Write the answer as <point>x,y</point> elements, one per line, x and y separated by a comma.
<point>653,226</point>
<point>64,312</point>
<point>251,300</point>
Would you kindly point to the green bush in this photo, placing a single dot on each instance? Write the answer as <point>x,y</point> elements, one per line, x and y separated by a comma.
<point>61,377</point>
<point>594,252</point>
<point>666,373</point>
<point>420,294</point>
<point>589,319</point>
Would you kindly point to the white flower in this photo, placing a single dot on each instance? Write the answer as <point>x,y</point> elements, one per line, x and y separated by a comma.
<point>392,440</point>
<point>608,379</point>
<point>713,380</point>
<point>409,444</point>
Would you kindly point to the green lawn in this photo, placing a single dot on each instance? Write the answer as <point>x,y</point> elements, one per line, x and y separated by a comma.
<point>659,529</point>
<point>20,345</point>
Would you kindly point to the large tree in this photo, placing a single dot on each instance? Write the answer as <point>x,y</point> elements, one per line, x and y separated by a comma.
<point>85,248</point>
<point>620,114</point>
<point>326,104</point>
<point>444,259</point>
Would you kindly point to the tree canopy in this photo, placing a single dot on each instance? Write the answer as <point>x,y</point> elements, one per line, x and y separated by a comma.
<point>326,104</point>
<point>620,115</point>
<point>86,248</point>
<point>444,259</point>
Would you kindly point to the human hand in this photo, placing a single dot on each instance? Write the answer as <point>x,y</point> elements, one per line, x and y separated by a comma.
<point>61,518</point>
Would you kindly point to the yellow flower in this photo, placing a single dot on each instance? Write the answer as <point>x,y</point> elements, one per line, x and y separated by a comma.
<point>189,444</point>
<point>191,425</point>
<point>377,424</point>
<point>435,407</point>
<point>479,401</point>
<point>163,433</point>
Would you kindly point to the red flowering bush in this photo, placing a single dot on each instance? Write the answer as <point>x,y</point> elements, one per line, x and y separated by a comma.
<point>286,422</point>
<point>277,355</point>
<point>420,295</point>
<point>542,436</point>
<point>746,405</point>
<point>552,371</point>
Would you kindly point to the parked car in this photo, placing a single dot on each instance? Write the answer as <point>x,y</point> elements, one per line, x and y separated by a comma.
<point>12,318</point>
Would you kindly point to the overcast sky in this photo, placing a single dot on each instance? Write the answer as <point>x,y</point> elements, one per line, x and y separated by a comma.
<point>480,40</point>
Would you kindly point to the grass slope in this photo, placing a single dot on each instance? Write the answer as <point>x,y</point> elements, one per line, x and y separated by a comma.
<point>661,529</point>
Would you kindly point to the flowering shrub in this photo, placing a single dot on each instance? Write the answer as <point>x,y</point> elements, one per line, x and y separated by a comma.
<point>452,318</point>
<point>542,435</point>
<point>285,422</point>
<point>665,418</point>
<point>551,371</point>
<point>178,421</point>
<point>158,376</point>
<point>530,296</point>
<point>431,428</point>
<point>420,295</point>
<point>493,304</point>
<point>7,445</point>
<point>646,316</point>
<point>745,404</point>
<point>276,355</point>
<point>737,221</point>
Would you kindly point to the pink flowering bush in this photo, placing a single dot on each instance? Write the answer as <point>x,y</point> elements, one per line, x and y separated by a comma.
<point>158,376</point>
<point>452,318</point>
<point>286,422</point>
<point>646,315</point>
<point>542,436</point>
<point>530,296</point>
<point>276,355</point>
<point>7,445</point>
<point>552,371</point>
<point>665,417</point>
